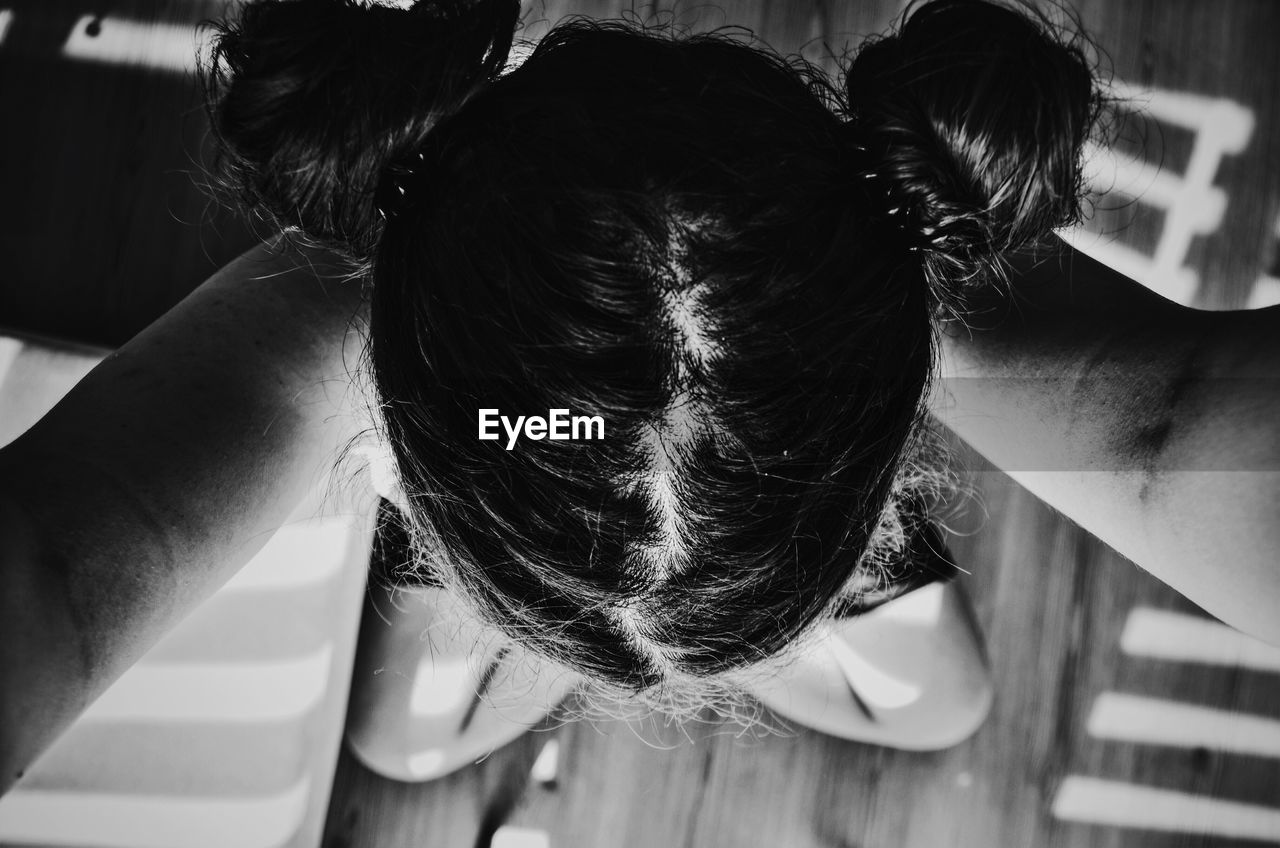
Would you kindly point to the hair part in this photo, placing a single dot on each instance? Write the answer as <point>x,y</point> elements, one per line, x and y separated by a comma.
<point>680,236</point>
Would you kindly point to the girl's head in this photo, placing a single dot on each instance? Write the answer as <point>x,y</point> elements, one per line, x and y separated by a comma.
<point>732,262</point>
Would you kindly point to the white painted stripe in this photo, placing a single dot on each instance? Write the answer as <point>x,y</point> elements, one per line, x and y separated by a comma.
<point>6,19</point>
<point>1118,804</point>
<point>1154,721</point>
<point>102,820</point>
<point>119,41</point>
<point>215,692</point>
<point>9,350</point>
<point>873,685</point>
<point>1164,635</point>
<point>298,555</point>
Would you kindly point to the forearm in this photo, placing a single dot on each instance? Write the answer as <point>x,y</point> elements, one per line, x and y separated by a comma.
<point>158,476</point>
<point>1146,423</point>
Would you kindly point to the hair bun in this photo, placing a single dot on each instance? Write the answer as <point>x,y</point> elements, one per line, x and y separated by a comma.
<point>311,99</point>
<point>973,116</point>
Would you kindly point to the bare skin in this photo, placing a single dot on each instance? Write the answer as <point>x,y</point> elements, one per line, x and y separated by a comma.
<point>159,476</point>
<point>1152,425</point>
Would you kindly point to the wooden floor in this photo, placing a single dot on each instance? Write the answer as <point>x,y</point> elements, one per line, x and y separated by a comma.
<point>1121,709</point>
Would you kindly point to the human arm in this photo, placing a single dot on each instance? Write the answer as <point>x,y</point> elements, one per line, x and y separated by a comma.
<point>1151,425</point>
<point>160,475</point>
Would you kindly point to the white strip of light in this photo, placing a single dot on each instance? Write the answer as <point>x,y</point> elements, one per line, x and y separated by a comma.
<point>1154,721</point>
<point>105,820</point>
<point>1118,804</point>
<point>297,556</point>
<point>509,836</point>
<point>1164,635</point>
<point>1266,292</point>
<point>216,692</point>
<point>9,350</point>
<point>1231,122</point>
<point>119,41</point>
<point>546,766</point>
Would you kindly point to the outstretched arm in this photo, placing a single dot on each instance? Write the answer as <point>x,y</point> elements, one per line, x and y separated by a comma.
<point>160,475</point>
<point>1151,425</point>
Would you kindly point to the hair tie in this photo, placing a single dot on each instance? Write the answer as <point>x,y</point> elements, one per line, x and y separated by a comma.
<point>885,199</point>
<point>399,185</point>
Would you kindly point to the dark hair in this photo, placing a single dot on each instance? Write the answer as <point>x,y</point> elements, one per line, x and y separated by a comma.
<point>310,99</point>
<point>734,263</point>
<point>977,115</point>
